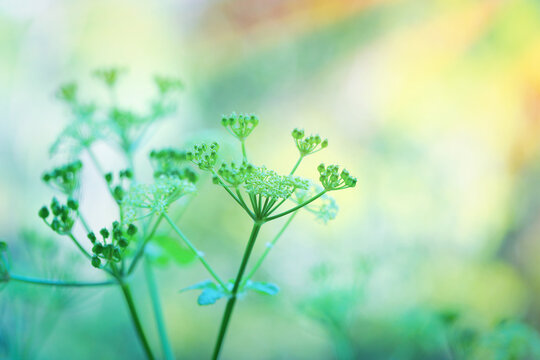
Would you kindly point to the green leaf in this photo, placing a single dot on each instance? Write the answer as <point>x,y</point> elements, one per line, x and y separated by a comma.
<point>262,287</point>
<point>210,292</point>
<point>164,248</point>
<point>205,284</point>
<point>209,296</point>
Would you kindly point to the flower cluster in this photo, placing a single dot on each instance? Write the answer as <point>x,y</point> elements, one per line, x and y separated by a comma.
<point>267,183</point>
<point>235,175</point>
<point>117,190</point>
<point>171,162</point>
<point>63,215</point>
<point>240,125</point>
<point>332,179</point>
<point>109,76</point>
<point>324,209</point>
<point>112,244</point>
<point>64,178</point>
<point>166,84</point>
<point>155,197</point>
<point>204,156</point>
<point>309,144</point>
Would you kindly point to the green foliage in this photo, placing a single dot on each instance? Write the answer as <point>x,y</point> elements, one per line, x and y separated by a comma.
<point>64,178</point>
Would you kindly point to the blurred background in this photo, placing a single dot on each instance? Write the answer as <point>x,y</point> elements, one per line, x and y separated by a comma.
<point>434,105</point>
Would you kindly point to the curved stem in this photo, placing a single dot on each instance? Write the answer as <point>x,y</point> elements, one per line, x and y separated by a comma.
<point>297,207</point>
<point>244,154</point>
<point>269,247</point>
<point>136,322</point>
<point>83,221</point>
<point>296,165</point>
<point>232,299</point>
<point>197,253</point>
<point>156,307</point>
<point>83,250</point>
<point>140,251</point>
<point>37,281</point>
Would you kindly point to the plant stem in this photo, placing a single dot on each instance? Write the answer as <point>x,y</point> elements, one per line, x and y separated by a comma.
<point>244,154</point>
<point>37,281</point>
<point>232,299</point>
<point>136,322</point>
<point>156,306</point>
<point>83,250</point>
<point>297,207</point>
<point>269,247</point>
<point>140,251</point>
<point>196,252</point>
<point>296,165</point>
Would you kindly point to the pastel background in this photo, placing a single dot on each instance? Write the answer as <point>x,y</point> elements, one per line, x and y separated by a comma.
<point>434,105</point>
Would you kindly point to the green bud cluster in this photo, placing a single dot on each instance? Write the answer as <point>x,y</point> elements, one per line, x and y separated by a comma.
<point>156,197</point>
<point>68,93</point>
<point>267,183</point>
<point>204,156</point>
<point>63,215</point>
<point>240,125</point>
<point>109,76</point>
<point>118,189</point>
<point>111,250</point>
<point>309,144</point>
<point>171,162</point>
<point>332,179</point>
<point>166,84</point>
<point>64,178</point>
<point>235,175</point>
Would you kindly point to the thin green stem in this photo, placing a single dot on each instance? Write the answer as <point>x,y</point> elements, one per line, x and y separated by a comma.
<point>197,253</point>
<point>158,312</point>
<point>83,221</point>
<point>244,153</point>
<point>297,207</point>
<point>141,249</point>
<point>269,247</point>
<point>222,183</point>
<point>37,281</point>
<point>136,322</point>
<point>83,250</point>
<point>232,299</point>
<point>297,164</point>
<point>95,162</point>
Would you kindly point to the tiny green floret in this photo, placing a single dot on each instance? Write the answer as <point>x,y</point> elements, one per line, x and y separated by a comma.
<point>241,125</point>
<point>43,212</point>
<point>64,178</point>
<point>109,76</point>
<point>204,156</point>
<point>308,145</point>
<point>172,162</point>
<point>332,179</point>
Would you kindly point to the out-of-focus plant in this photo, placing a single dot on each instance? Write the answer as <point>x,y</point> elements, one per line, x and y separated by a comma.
<point>118,249</point>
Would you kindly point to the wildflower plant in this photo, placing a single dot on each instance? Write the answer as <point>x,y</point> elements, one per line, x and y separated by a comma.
<point>116,250</point>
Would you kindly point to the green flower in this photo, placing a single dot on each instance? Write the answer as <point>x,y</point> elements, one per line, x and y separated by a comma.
<point>171,162</point>
<point>332,179</point>
<point>240,126</point>
<point>309,144</point>
<point>269,184</point>
<point>155,198</point>
<point>325,208</point>
<point>204,156</point>
<point>64,178</point>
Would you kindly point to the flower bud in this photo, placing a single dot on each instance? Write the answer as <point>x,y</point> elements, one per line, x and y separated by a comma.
<point>73,204</point>
<point>92,237</point>
<point>104,232</point>
<point>97,248</point>
<point>131,230</point>
<point>43,212</point>
<point>96,262</point>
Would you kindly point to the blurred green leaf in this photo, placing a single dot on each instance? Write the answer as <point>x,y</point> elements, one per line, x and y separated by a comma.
<point>262,287</point>
<point>164,249</point>
<point>210,292</point>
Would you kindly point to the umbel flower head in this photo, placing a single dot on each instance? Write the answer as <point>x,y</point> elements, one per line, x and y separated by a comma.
<point>267,183</point>
<point>309,144</point>
<point>156,197</point>
<point>171,162</point>
<point>241,125</point>
<point>109,76</point>
<point>204,156</point>
<point>235,175</point>
<point>332,179</point>
<point>113,243</point>
<point>63,215</point>
<point>64,178</point>
<point>324,208</point>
